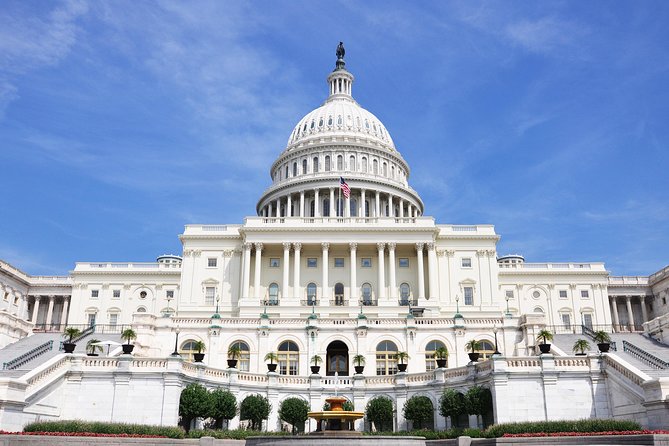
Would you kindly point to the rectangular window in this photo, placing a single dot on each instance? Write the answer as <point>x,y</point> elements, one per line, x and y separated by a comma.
<point>113,319</point>
<point>209,293</point>
<point>91,319</point>
<point>339,262</point>
<point>469,295</point>
<point>312,262</point>
<point>274,262</point>
<point>366,262</point>
<point>116,294</point>
<point>563,294</point>
<point>509,294</point>
<point>587,320</point>
<point>566,321</point>
<point>585,294</point>
<point>466,262</point>
<point>95,293</point>
<point>169,294</point>
<point>404,262</point>
<point>211,262</point>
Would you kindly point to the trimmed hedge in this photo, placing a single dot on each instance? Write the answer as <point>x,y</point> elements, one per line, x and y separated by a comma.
<point>430,434</point>
<point>237,434</point>
<point>104,428</point>
<point>594,425</point>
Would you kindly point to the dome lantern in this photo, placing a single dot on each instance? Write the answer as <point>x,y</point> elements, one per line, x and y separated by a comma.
<point>340,80</point>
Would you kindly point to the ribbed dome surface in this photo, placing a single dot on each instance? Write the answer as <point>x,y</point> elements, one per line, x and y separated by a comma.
<point>341,116</point>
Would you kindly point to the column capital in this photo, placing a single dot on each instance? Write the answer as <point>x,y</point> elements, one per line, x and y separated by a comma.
<point>628,298</point>
<point>247,245</point>
<point>441,252</point>
<point>297,246</point>
<point>37,298</point>
<point>419,246</point>
<point>642,298</point>
<point>353,246</point>
<point>481,253</point>
<point>381,246</point>
<point>258,246</point>
<point>391,246</point>
<point>430,246</point>
<point>286,246</point>
<point>450,253</point>
<point>325,246</point>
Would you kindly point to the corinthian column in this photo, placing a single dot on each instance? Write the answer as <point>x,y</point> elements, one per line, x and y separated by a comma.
<point>258,267</point>
<point>297,292</point>
<point>246,274</point>
<point>354,280</point>
<point>382,272</point>
<point>392,286</point>
<point>421,274</point>
<point>325,268</point>
<point>286,259</point>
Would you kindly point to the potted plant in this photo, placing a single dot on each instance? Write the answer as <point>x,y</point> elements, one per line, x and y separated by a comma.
<point>316,360</point>
<point>359,361</point>
<point>92,347</point>
<point>234,353</point>
<point>441,355</point>
<point>581,346</point>
<point>70,333</point>
<point>473,345</point>
<point>200,347</point>
<point>603,340</point>
<point>128,335</point>
<point>272,358</point>
<point>401,357</point>
<point>545,336</point>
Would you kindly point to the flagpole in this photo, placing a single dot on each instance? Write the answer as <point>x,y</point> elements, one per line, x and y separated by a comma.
<point>339,200</point>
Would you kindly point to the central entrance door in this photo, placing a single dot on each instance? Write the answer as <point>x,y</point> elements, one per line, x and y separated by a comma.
<point>337,359</point>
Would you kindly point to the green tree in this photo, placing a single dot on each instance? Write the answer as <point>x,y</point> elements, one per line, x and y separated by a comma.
<point>195,402</point>
<point>478,401</point>
<point>452,404</point>
<point>347,406</point>
<point>294,411</point>
<point>379,410</point>
<point>223,406</point>
<point>420,410</point>
<point>255,408</point>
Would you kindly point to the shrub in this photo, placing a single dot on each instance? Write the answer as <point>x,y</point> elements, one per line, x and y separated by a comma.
<point>420,411</point>
<point>255,408</point>
<point>195,402</point>
<point>451,404</point>
<point>74,426</point>
<point>478,401</point>
<point>593,425</point>
<point>223,406</point>
<point>237,434</point>
<point>379,410</point>
<point>294,412</point>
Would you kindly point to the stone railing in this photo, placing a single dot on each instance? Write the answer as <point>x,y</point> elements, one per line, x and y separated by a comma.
<point>644,356</point>
<point>626,371</point>
<point>47,373</point>
<point>28,356</point>
<point>557,266</point>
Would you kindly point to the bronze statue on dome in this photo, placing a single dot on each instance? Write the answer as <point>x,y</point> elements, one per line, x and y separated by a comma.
<point>340,51</point>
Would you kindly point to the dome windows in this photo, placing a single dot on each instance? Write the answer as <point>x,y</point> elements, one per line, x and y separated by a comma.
<point>340,121</point>
<point>330,121</point>
<point>320,123</point>
<point>313,124</point>
<point>367,124</point>
<point>327,163</point>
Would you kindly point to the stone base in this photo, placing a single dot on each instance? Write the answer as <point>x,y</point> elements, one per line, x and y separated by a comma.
<point>336,433</point>
<point>327,440</point>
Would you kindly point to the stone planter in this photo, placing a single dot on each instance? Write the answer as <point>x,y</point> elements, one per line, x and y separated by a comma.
<point>402,367</point>
<point>232,363</point>
<point>441,363</point>
<point>92,354</point>
<point>473,357</point>
<point>199,357</point>
<point>127,348</point>
<point>359,369</point>
<point>68,347</point>
<point>315,369</point>
<point>545,348</point>
<point>271,367</point>
<point>604,347</point>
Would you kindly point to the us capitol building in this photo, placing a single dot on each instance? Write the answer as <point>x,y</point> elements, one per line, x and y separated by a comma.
<point>340,260</point>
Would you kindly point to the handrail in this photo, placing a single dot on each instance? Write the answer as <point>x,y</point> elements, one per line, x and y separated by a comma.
<point>644,356</point>
<point>28,356</point>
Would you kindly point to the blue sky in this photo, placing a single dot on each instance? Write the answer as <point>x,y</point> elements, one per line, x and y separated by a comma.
<point>120,122</point>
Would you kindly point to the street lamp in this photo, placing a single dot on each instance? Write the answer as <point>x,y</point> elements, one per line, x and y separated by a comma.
<point>457,307</point>
<point>168,313</point>
<point>494,330</point>
<point>508,313</point>
<point>218,298</point>
<point>176,342</point>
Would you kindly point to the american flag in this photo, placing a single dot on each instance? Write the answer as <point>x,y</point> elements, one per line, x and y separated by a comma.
<point>344,187</point>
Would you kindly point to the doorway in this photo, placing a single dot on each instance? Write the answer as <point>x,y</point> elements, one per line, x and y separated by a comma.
<point>337,359</point>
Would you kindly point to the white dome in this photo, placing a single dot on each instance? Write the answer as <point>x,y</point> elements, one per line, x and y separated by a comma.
<point>341,116</point>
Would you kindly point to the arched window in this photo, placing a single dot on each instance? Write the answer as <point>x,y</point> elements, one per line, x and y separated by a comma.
<point>538,310</point>
<point>288,360</point>
<point>364,164</point>
<point>273,294</point>
<point>340,162</point>
<point>385,169</point>
<point>295,169</point>
<point>312,208</point>
<point>311,294</point>
<point>286,172</point>
<point>314,163</point>
<point>487,349</point>
<point>367,294</point>
<point>430,360</point>
<point>277,174</point>
<point>366,208</point>
<point>326,207</point>
<point>386,364</point>
<point>244,355</point>
<point>327,163</point>
<point>339,294</point>
<point>375,167</point>
<point>351,164</point>
<point>392,171</point>
<point>141,310</point>
<point>304,167</point>
<point>405,294</point>
<point>354,207</point>
<point>187,350</point>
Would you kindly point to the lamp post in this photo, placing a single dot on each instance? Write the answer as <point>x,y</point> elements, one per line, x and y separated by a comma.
<point>168,313</point>
<point>508,313</point>
<point>494,330</point>
<point>457,307</point>
<point>218,298</point>
<point>176,342</point>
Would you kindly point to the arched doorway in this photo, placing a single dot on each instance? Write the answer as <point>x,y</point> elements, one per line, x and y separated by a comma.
<point>337,359</point>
